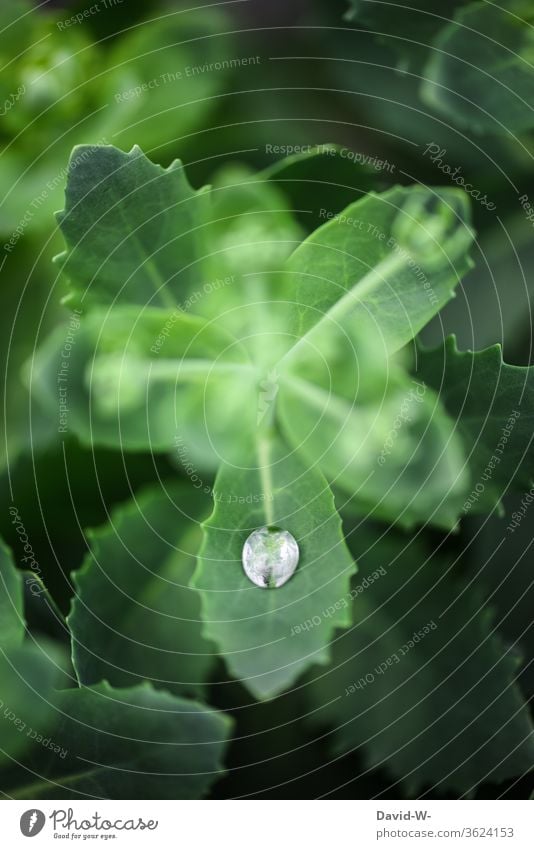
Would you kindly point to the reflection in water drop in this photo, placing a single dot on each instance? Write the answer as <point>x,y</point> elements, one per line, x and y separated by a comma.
<point>270,557</point>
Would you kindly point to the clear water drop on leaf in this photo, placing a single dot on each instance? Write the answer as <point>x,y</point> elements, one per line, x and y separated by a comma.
<point>270,557</point>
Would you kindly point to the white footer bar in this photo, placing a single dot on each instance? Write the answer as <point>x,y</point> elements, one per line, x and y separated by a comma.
<point>269,824</point>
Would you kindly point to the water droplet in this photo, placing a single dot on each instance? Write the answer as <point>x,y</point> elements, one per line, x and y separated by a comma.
<point>270,557</point>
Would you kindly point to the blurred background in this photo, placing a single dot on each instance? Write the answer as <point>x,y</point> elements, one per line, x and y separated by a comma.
<point>250,80</point>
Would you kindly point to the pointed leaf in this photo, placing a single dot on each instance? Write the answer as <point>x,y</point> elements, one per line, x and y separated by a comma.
<point>392,258</point>
<point>132,744</point>
<point>134,615</point>
<point>251,625</point>
<point>132,228</point>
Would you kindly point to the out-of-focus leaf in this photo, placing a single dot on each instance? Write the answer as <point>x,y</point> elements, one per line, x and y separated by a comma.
<point>252,227</point>
<point>47,81</point>
<point>49,100</point>
<point>150,379</point>
<point>422,681</point>
<point>163,77</point>
<point>131,744</point>
<point>134,615</point>
<point>326,178</point>
<point>28,674</point>
<point>43,616</point>
<point>408,27</point>
<point>251,625</point>
<point>493,405</point>
<point>149,85</point>
<point>480,73</point>
<point>399,458</point>
<point>12,624</point>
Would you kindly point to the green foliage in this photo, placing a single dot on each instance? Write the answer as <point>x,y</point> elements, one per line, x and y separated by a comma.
<point>139,379</point>
<point>167,747</point>
<point>399,457</point>
<point>245,355</point>
<point>146,379</point>
<point>157,82</point>
<point>139,87</point>
<point>29,674</point>
<point>28,670</point>
<point>276,371</point>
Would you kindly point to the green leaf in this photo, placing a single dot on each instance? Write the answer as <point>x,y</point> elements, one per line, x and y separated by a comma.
<point>150,379</point>
<point>394,273</point>
<point>134,615</point>
<point>393,259</point>
<point>23,314</point>
<point>345,358</point>
<point>29,672</point>
<point>480,72</point>
<point>323,178</point>
<point>422,680</point>
<point>43,616</point>
<point>492,403</point>
<point>385,440</point>
<point>132,228</point>
<point>132,744</point>
<point>400,459</point>
<point>159,84</point>
<point>163,746</point>
<point>253,626</point>
<point>12,625</point>
<point>252,228</point>
<point>251,233</point>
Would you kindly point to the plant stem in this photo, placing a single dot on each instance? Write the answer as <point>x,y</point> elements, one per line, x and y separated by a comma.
<point>264,465</point>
